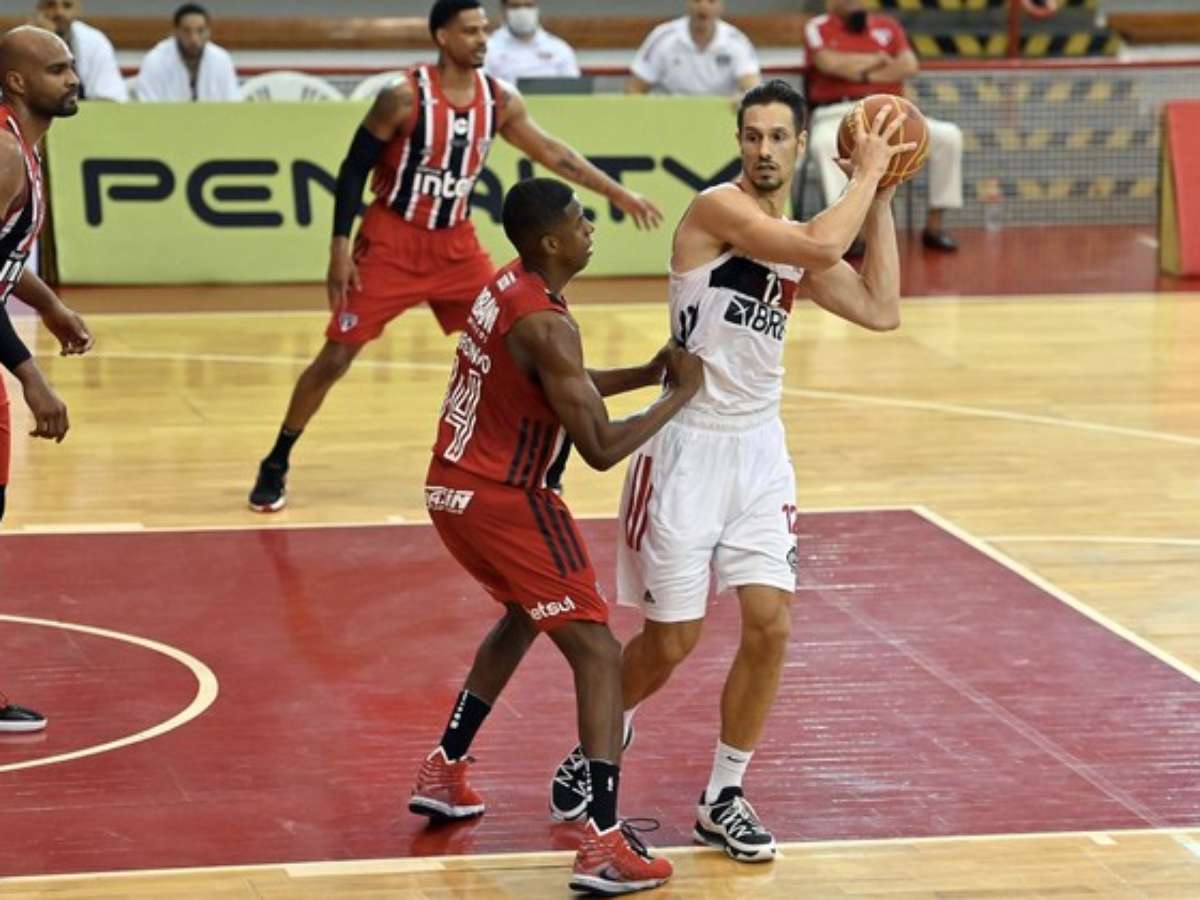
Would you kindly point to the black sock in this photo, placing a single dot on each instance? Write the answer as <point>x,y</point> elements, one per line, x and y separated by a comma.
<point>283,447</point>
<point>469,713</point>
<point>602,799</point>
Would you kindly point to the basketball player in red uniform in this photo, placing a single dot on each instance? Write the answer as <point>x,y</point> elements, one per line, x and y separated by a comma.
<point>39,84</point>
<point>427,139</point>
<point>518,389</point>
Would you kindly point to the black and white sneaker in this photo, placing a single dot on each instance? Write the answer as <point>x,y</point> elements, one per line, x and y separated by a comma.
<point>269,493</point>
<point>570,786</point>
<point>17,719</point>
<point>732,825</point>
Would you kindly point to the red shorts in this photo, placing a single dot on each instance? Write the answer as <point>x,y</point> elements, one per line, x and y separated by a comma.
<point>401,265</point>
<point>521,546</point>
<point>5,434</point>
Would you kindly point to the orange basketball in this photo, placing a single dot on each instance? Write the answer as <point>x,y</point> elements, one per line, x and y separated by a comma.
<point>904,165</point>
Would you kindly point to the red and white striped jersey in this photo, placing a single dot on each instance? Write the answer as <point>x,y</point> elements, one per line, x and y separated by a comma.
<point>428,171</point>
<point>20,223</point>
<point>496,422</point>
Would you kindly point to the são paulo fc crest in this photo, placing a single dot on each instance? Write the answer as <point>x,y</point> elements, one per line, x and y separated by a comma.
<point>793,560</point>
<point>347,321</point>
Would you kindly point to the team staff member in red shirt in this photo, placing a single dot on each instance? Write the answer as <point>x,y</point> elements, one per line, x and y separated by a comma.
<point>517,390</point>
<point>851,54</point>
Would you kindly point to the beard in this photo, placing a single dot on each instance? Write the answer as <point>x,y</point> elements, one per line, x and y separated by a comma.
<point>64,109</point>
<point>766,181</point>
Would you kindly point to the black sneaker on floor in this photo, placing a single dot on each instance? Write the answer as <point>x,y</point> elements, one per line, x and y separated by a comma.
<point>569,789</point>
<point>17,719</point>
<point>732,825</point>
<point>270,493</point>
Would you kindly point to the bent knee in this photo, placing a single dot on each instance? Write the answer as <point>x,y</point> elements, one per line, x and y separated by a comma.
<point>769,633</point>
<point>671,642</point>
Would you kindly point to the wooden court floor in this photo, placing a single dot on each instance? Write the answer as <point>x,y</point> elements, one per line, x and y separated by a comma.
<point>1063,430</point>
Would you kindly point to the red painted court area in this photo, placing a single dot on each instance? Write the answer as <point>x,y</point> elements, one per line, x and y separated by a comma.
<point>930,691</point>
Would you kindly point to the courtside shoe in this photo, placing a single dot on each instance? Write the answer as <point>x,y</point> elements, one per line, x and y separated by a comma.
<point>732,825</point>
<point>616,862</point>
<point>269,493</point>
<point>442,791</point>
<point>17,719</point>
<point>569,787</point>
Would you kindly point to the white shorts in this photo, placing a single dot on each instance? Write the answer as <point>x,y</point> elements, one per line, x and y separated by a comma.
<point>701,497</point>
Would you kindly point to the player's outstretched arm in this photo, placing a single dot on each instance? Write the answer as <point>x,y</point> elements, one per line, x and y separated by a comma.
<point>870,299</point>
<point>387,116</point>
<point>518,128</point>
<point>610,382</point>
<point>548,343</point>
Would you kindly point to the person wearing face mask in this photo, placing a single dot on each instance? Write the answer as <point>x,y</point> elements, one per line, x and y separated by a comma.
<point>852,54</point>
<point>521,48</point>
<point>188,66</point>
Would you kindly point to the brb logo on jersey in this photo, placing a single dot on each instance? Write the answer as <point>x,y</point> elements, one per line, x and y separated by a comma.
<point>758,317</point>
<point>443,185</point>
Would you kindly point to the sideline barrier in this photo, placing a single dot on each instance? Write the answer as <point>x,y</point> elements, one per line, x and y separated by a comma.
<point>1179,210</point>
<point>196,193</point>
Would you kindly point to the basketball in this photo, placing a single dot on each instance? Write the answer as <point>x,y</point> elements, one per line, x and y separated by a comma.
<point>904,165</point>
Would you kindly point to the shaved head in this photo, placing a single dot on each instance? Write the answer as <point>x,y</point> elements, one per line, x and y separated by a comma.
<point>38,71</point>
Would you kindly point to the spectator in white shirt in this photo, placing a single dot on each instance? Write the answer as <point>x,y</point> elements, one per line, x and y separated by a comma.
<point>188,66</point>
<point>521,48</point>
<point>696,54</point>
<point>95,61</point>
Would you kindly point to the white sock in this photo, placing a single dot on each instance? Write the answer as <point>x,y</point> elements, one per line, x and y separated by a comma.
<point>627,724</point>
<point>729,767</point>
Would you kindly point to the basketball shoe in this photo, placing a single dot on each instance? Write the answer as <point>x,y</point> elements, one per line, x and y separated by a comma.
<point>569,787</point>
<point>442,792</point>
<point>17,719</point>
<point>732,825</point>
<point>616,861</point>
<point>270,492</point>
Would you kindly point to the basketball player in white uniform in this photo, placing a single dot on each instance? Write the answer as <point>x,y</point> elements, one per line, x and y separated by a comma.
<point>714,490</point>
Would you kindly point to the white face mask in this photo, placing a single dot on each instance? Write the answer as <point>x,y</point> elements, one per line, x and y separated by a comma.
<point>523,21</point>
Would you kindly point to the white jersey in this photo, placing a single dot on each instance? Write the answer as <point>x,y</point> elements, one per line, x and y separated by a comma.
<point>732,312</point>
<point>670,61</point>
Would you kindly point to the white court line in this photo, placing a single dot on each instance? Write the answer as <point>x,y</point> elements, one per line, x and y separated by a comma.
<point>273,523</point>
<point>206,692</point>
<point>1092,539</point>
<point>834,396</point>
<point>562,858</point>
<point>1003,415</point>
<point>1058,593</point>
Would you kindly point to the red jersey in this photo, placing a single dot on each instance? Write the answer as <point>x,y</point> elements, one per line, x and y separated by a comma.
<point>829,32</point>
<point>496,422</point>
<point>428,171</point>
<point>20,223</point>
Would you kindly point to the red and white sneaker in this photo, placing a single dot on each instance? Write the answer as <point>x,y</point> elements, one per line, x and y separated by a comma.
<point>442,791</point>
<point>616,861</point>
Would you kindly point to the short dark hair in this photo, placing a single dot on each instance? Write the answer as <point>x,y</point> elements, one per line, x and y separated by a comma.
<point>191,9</point>
<point>776,91</point>
<point>445,10</point>
<point>532,209</point>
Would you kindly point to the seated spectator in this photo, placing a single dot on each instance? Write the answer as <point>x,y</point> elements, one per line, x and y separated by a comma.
<point>95,62</point>
<point>852,54</point>
<point>696,54</point>
<point>521,48</point>
<point>188,66</point>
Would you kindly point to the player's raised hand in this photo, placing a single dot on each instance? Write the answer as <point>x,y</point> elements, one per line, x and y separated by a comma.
<point>68,327</point>
<point>644,213</point>
<point>873,150</point>
<point>342,277</point>
<point>685,371</point>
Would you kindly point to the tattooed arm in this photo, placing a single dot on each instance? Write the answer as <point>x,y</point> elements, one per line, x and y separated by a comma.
<point>518,128</point>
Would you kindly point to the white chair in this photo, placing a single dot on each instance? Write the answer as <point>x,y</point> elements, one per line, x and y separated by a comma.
<point>288,86</point>
<point>368,88</point>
